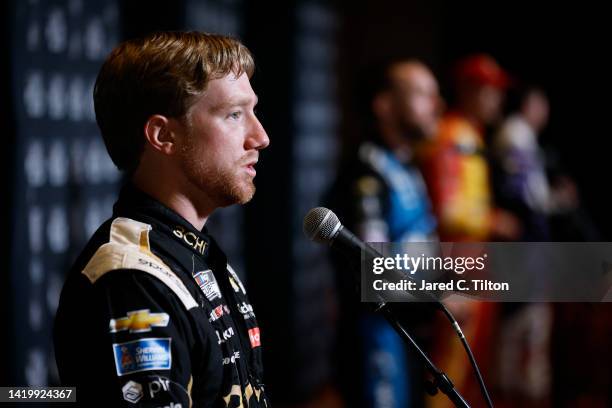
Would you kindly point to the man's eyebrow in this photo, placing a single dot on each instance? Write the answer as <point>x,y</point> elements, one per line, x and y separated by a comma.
<point>240,101</point>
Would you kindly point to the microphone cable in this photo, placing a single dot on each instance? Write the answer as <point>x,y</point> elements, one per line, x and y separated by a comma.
<point>468,350</point>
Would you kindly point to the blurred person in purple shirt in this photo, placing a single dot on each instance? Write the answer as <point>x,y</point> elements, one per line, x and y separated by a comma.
<point>520,180</point>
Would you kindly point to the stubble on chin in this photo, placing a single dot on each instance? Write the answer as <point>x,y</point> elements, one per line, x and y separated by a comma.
<point>240,190</point>
<point>224,187</point>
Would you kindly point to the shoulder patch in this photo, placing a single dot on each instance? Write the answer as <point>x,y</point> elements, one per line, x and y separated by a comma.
<point>128,248</point>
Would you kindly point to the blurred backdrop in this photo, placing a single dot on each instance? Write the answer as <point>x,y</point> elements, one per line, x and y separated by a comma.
<point>310,58</point>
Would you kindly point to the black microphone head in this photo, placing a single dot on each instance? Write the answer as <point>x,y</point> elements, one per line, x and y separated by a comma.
<point>321,225</point>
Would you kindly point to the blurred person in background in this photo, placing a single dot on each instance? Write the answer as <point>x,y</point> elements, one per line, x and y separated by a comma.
<point>520,181</point>
<point>381,196</point>
<point>151,312</point>
<point>454,162</point>
<point>537,364</point>
<point>520,184</point>
<point>457,174</point>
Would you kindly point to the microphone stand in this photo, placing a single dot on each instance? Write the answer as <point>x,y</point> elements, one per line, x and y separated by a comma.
<point>441,381</point>
<point>353,248</point>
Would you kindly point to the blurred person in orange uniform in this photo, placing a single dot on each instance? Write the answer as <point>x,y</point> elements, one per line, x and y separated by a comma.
<point>457,175</point>
<point>454,162</point>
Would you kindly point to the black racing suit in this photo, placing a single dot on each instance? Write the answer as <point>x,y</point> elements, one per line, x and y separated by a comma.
<point>152,315</point>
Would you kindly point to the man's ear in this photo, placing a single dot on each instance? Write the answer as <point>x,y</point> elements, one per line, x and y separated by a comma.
<point>159,134</point>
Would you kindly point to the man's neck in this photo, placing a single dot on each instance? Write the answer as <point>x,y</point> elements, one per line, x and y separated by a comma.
<point>471,117</point>
<point>176,194</point>
<point>397,142</point>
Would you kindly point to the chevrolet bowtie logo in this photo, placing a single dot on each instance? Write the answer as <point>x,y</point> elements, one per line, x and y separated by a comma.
<point>139,321</point>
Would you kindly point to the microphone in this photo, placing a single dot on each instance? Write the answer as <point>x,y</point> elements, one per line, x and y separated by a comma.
<point>323,226</point>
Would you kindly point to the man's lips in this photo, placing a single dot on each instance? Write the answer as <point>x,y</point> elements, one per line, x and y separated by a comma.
<point>250,167</point>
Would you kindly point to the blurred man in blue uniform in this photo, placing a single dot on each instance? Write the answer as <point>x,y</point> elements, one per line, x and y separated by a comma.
<point>381,196</point>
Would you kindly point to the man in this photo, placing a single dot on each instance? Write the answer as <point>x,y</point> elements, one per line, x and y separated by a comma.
<point>403,108</point>
<point>151,313</point>
<point>521,183</point>
<point>457,174</point>
<point>381,196</point>
<point>455,164</point>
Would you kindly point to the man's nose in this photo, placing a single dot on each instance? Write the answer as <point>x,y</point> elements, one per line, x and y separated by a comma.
<point>258,138</point>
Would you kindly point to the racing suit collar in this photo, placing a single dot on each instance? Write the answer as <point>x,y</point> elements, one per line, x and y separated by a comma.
<point>134,203</point>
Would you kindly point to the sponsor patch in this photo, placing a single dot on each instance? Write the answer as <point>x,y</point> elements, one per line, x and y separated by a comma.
<point>246,309</point>
<point>139,321</point>
<point>231,359</point>
<point>132,392</point>
<point>142,355</point>
<point>254,337</point>
<point>159,384</point>
<point>190,239</point>
<point>368,186</point>
<point>217,312</point>
<point>225,335</point>
<point>207,282</point>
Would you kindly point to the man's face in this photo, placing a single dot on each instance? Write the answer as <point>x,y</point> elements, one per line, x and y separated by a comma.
<point>487,102</point>
<point>416,98</point>
<point>536,109</point>
<point>222,141</point>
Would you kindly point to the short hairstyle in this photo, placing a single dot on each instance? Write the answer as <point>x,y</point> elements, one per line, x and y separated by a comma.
<point>162,73</point>
<point>377,77</point>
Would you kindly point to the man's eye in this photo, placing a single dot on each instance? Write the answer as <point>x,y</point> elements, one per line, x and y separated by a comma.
<point>235,115</point>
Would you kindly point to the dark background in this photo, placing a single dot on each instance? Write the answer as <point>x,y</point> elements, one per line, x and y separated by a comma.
<point>310,57</point>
